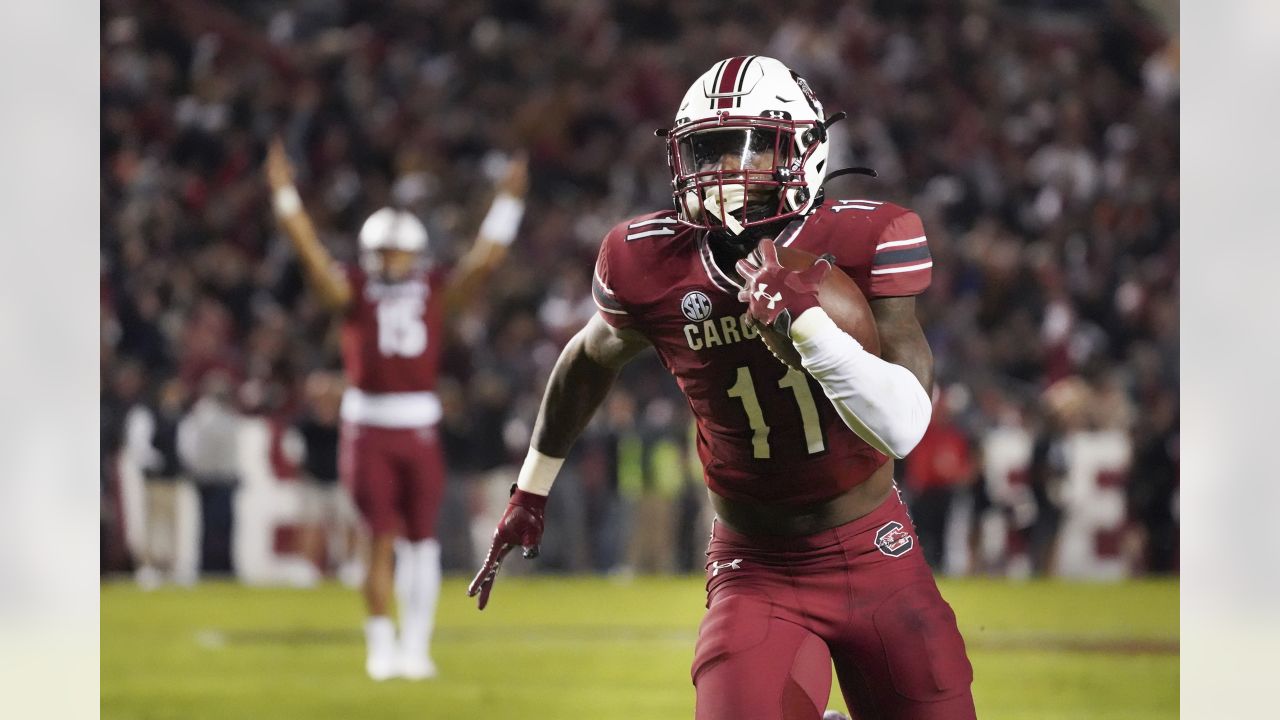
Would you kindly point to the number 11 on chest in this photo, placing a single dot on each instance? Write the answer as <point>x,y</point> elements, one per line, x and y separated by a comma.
<point>745,390</point>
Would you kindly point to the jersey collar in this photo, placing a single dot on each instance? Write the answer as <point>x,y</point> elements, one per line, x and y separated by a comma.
<point>722,280</point>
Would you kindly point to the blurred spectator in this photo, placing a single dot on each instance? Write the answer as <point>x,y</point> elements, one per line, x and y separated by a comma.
<point>651,477</point>
<point>1096,455</point>
<point>935,472</point>
<point>167,551</point>
<point>1065,407</point>
<point>1153,489</point>
<point>330,523</point>
<point>207,441</point>
<point>124,493</point>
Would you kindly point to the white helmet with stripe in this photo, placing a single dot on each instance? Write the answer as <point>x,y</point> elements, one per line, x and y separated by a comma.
<point>392,229</point>
<point>749,146</point>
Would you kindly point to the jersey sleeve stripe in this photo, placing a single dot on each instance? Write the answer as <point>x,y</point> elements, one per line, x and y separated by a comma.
<point>896,257</point>
<point>901,243</point>
<point>596,281</point>
<point>647,233</point>
<point>605,299</point>
<point>654,221</point>
<point>610,311</point>
<point>902,269</point>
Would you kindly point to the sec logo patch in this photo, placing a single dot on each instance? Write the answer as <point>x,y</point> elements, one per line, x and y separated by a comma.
<point>893,540</point>
<point>696,306</point>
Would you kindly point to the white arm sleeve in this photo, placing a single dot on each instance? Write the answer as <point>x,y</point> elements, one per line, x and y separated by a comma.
<point>880,401</point>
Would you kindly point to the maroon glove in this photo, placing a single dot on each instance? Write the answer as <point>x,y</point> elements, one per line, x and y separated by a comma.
<point>776,295</point>
<point>520,525</point>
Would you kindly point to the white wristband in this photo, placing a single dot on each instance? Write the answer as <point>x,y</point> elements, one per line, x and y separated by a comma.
<point>286,201</point>
<point>538,473</point>
<point>500,225</point>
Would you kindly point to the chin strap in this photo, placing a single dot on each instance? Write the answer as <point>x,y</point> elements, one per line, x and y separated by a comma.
<point>734,201</point>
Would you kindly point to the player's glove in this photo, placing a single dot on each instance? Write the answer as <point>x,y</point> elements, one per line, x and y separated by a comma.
<point>520,525</point>
<point>777,295</point>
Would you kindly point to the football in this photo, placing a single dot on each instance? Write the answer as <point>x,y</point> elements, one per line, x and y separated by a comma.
<point>839,296</point>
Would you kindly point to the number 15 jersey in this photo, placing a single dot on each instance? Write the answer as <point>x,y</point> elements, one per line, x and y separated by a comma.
<point>766,433</point>
<point>391,342</point>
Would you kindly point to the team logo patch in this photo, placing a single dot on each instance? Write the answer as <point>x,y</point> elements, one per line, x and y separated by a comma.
<point>893,540</point>
<point>696,306</point>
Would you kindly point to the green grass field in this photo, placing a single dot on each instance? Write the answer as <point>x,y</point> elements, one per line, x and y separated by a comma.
<point>594,649</point>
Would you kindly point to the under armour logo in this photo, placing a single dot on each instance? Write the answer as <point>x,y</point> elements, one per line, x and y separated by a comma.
<point>773,299</point>
<point>716,567</point>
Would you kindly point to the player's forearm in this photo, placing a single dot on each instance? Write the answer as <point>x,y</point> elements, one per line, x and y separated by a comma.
<point>577,386</point>
<point>472,271</point>
<point>493,239</point>
<point>575,390</point>
<point>579,382</point>
<point>316,261</point>
<point>883,402</point>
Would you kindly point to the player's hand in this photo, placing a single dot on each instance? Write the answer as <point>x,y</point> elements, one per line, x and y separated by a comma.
<point>515,180</point>
<point>278,168</point>
<point>520,525</point>
<point>776,295</point>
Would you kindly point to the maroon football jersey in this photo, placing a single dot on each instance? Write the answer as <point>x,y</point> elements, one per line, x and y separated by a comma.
<point>392,333</point>
<point>765,432</point>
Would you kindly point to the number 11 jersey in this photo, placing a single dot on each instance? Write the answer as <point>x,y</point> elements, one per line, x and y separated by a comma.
<point>766,433</point>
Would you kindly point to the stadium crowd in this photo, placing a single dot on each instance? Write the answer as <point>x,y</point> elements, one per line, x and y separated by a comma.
<point>1038,140</point>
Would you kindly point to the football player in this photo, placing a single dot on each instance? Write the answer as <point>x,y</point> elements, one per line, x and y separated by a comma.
<point>813,558</point>
<point>393,304</point>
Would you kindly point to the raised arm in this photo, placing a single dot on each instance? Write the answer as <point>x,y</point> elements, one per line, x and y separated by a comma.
<point>322,274</point>
<point>581,379</point>
<point>494,236</point>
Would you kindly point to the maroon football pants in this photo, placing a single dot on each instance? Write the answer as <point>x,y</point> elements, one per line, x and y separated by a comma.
<point>395,476</point>
<point>781,610</point>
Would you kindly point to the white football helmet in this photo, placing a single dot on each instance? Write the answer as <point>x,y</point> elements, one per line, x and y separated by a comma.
<point>749,146</point>
<point>391,229</point>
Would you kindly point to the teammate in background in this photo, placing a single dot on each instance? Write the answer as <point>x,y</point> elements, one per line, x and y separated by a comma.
<point>813,557</point>
<point>393,306</point>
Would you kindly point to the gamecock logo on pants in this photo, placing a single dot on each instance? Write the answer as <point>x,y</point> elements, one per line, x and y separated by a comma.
<point>893,540</point>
